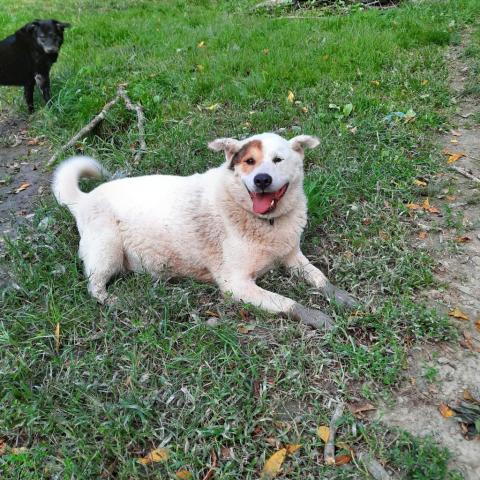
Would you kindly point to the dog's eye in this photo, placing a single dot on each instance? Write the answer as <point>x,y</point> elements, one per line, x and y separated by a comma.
<point>250,161</point>
<point>277,160</point>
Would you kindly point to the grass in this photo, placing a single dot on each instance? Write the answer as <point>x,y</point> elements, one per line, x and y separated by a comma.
<point>151,372</point>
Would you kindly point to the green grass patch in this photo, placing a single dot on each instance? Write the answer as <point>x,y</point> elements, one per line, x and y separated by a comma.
<point>150,372</point>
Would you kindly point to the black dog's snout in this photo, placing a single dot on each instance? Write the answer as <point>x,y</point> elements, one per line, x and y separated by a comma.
<point>262,180</point>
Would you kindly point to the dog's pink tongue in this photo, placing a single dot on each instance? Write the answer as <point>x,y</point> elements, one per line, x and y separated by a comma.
<point>262,202</point>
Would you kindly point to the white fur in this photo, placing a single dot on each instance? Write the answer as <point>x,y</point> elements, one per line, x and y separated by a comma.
<point>201,226</point>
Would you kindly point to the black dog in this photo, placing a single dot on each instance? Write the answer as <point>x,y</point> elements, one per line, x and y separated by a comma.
<point>27,56</point>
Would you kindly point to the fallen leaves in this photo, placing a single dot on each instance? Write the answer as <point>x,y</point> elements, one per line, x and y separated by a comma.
<point>477,325</point>
<point>342,459</point>
<point>463,239</point>
<point>323,432</point>
<point>183,475</point>
<point>422,235</point>
<point>155,456</point>
<point>419,183</point>
<point>274,464</point>
<point>457,313</point>
<point>358,409</point>
<point>290,96</point>
<point>22,187</point>
<point>425,207</point>
<point>201,44</point>
<point>57,337</point>
<point>291,449</point>
<point>453,157</point>
<point>446,411</point>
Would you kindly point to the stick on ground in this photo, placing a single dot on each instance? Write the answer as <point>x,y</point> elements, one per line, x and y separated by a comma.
<point>140,122</point>
<point>121,93</point>
<point>465,173</point>
<point>86,129</point>
<point>329,452</point>
<point>375,469</point>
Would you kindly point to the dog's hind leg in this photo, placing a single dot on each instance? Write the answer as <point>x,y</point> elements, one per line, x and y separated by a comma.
<point>28,94</point>
<point>101,250</point>
<point>43,83</point>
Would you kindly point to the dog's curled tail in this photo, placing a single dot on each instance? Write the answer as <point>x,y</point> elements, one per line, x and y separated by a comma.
<point>67,175</point>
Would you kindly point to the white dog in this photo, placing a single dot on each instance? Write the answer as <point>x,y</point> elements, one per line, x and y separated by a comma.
<point>228,225</point>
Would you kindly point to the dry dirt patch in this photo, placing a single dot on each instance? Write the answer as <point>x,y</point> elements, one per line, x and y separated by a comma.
<point>442,374</point>
<point>22,177</point>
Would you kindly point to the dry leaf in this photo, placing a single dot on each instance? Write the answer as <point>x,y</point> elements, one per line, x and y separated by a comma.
<point>463,239</point>
<point>273,465</point>
<point>290,96</point>
<point>454,141</point>
<point>467,341</point>
<point>323,432</point>
<point>451,198</point>
<point>457,313</point>
<point>245,328</point>
<point>446,411</point>
<point>157,455</point>
<point>291,449</point>
<point>213,107</point>
<point>3,446</point>
<point>456,133</point>
<point>468,396</point>
<point>420,183</point>
<point>342,459</point>
<point>362,407</point>
<point>201,44</point>
<point>305,109</point>
<point>22,187</point>
<point>413,206</point>
<point>422,234</point>
<point>424,82</point>
<point>375,82</point>
<point>19,450</point>
<point>57,337</point>
<point>184,475</point>
<point>426,204</point>
<point>266,51</point>
<point>477,325</point>
<point>455,157</point>
<point>225,452</point>
<point>200,68</point>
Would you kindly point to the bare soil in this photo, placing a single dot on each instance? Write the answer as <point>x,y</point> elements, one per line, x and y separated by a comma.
<point>21,163</point>
<point>442,373</point>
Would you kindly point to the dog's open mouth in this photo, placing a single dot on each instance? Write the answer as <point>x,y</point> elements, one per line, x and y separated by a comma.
<point>265,202</point>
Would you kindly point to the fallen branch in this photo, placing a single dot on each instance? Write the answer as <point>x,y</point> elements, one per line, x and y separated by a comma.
<point>140,122</point>
<point>86,129</point>
<point>137,108</point>
<point>329,452</point>
<point>375,469</point>
<point>465,173</point>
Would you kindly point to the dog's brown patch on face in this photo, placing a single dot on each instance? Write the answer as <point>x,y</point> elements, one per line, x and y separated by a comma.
<point>248,157</point>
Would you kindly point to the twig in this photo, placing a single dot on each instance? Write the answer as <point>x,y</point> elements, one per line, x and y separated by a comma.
<point>375,469</point>
<point>121,93</point>
<point>329,452</point>
<point>140,122</point>
<point>87,128</point>
<point>465,173</point>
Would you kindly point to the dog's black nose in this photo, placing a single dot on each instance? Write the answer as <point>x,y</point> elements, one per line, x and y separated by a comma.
<point>262,180</point>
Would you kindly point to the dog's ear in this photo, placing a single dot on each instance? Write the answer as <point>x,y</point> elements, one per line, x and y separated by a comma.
<point>301,142</point>
<point>61,25</point>
<point>30,27</point>
<point>228,145</point>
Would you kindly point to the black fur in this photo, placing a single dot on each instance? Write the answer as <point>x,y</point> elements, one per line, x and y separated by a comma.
<point>27,56</point>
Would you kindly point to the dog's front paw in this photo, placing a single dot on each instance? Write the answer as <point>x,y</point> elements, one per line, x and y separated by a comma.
<point>340,296</point>
<point>311,317</point>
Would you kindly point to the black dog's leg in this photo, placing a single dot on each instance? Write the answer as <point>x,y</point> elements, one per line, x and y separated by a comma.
<point>43,82</point>
<point>28,93</point>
